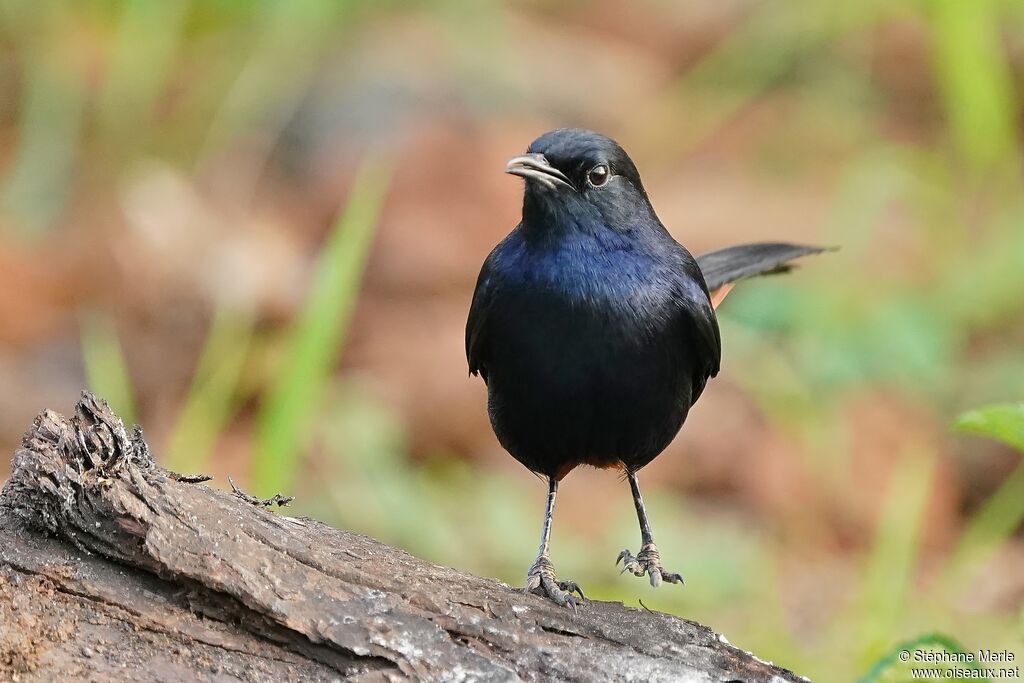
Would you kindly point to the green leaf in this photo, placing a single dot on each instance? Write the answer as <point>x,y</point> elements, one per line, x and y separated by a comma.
<point>891,661</point>
<point>1002,513</point>
<point>1003,421</point>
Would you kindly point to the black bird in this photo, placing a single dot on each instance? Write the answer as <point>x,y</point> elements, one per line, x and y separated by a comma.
<point>594,330</point>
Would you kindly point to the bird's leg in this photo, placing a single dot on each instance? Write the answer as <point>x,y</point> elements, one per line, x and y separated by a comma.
<point>647,561</point>
<point>541,577</point>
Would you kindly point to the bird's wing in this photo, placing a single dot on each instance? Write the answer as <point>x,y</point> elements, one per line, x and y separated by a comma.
<point>726,266</point>
<point>476,325</point>
<point>699,326</point>
<point>705,343</point>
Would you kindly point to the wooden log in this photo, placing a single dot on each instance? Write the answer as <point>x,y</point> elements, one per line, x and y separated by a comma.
<point>112,568</point>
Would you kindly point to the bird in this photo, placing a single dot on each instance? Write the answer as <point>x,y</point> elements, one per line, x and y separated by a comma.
<point>595,331</point>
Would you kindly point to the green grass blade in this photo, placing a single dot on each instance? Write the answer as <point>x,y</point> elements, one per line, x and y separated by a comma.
<point>39,183</point>
<point>211,400</point>
<point>890,569</point>
<point>285,42</point>
<point>147,40</point>
<point>105,368</point>
<point>767,51</point>
<point>314,339</point>
<point>992,525</point>
<point>974,79</point>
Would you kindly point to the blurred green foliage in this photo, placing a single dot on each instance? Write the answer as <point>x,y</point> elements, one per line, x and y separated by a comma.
<point>1004,421</point>
<point>891,668</point>
<point>105,367</point>
<point>990,527</point>
<point>214,395</point>
<point>975,80</point>
<point>944,335</point>
<point>314,341</point>
<point>1003,512</point>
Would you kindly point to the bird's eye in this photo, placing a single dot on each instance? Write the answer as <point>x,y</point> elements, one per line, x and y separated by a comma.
<point>599,175</point>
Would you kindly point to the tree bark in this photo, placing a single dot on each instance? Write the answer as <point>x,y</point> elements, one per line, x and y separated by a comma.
<point>112,568</point>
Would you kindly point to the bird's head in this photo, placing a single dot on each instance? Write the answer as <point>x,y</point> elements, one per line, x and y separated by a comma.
<point>583,174</point>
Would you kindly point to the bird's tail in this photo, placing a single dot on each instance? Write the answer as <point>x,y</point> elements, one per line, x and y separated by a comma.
<point>726,266</point>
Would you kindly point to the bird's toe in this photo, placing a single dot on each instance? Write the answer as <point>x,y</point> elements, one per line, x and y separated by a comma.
<point>672,577</point>
<point>541,580</point>
<point>559,592</point>
<point>647,563</point>
<point>655,574</point>
<point>571,587</point>
<point>631,563</point>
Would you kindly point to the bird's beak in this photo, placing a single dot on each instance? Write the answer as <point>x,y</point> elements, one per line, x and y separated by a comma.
<point>537,167</point>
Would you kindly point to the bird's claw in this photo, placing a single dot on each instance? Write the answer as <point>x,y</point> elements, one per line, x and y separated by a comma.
<point>647,561</point>
<point>541,579</point>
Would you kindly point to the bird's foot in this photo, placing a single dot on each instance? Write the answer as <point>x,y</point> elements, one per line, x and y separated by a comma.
<point>541,579</point>
<point>647,561</point>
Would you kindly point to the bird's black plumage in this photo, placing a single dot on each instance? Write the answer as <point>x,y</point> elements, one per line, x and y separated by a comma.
<point>728,265</point>
<point>591,326</point>
<point>594,329</point>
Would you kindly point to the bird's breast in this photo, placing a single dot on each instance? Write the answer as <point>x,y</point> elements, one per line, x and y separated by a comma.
<point>586,360</point>
<point>578,319</point>
<point>588,278</point>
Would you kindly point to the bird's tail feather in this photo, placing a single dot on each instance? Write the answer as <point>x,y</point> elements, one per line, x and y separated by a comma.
<point>750,260</point>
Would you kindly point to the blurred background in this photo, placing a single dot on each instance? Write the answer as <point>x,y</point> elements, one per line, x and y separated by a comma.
<point>255,229</point>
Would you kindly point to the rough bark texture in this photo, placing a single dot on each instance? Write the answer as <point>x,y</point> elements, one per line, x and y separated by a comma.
<point>112,568</point>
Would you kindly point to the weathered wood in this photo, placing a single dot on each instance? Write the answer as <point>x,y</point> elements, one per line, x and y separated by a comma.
<point>111,568</point>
